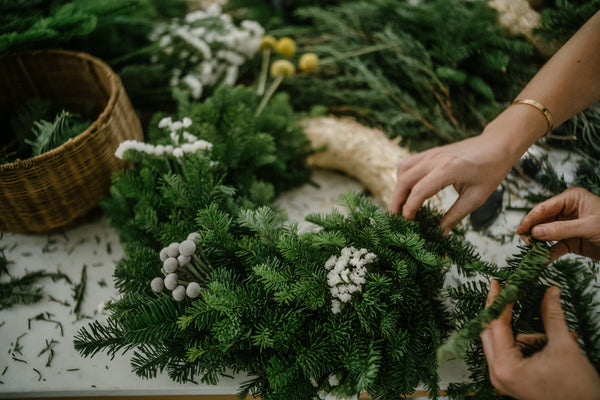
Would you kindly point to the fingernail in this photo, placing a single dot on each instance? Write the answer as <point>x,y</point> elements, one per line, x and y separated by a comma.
<point>539,232</point>
<point>554,292</point>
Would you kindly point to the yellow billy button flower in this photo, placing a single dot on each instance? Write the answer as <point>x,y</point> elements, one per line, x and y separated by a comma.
<point>282,68</point>
<point>286,47</point>
<point>308,62</point>
<point>267,42</point>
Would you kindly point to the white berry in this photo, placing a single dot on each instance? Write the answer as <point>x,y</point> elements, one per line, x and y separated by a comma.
<point>182,260</point>
<point>193,290</point>
<point>173,250</point>
<point>195,237</point>
<point>171,281</point>
<point>163,254</point>
<point>187,247</point>
<point>157,284</point>
<point>179,293</point>
<point>170,265</point>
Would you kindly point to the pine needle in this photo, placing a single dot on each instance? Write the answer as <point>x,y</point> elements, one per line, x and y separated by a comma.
<point>533,261</point>
<point>50,135</point>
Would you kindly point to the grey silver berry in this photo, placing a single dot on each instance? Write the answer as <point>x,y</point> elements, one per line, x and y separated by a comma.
<point>163,254</point>
<point>182,260</point>
<point>193,290</point>
<point>179,293</point>
<point>157,284</point>
<point>171,281</point>
<point>195,237</point>
<point>173,250</point>
<point>187,247</point>
<point>170,265</point>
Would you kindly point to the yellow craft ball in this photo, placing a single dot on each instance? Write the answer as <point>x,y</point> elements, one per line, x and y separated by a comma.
<point>267,42</point>
<point>308,62</point>
<point>282,68</point>
<point>286,47</point>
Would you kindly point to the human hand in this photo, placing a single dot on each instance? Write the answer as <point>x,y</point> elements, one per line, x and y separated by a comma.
<point>559,371</point>
<point>572,218</point>
<point>474,166</point>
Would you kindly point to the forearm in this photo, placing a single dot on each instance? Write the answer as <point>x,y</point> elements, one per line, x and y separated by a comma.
<point>567,84</point>
<point>570,80</point>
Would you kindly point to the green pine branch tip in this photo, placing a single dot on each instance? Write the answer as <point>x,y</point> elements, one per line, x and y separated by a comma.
<point>531,263</point>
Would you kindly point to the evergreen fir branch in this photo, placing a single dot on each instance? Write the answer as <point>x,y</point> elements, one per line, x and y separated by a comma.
<point>331,220</point>
<point>324,239</point>
<point>531,262</point>
<point>587,175</point>
<point>264,221</point>
<point>150,359</point>
<point>468,299</point>
<point>579,292</point>
<point>4,262</point>
<point>154,320</point>
<point>21,290</point>
<point>400,88</point>
<point>273,280</point>
<point>13,294</point>
<point>49,135</point>
<point>136,269</point>
<point>97,336</point>
<point>562,19</point>
<point>22,124</point>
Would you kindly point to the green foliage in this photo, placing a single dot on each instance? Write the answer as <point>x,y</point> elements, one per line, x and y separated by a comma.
<point>574,276</point>
<point>273,13</point>
<point>107,28</point>
<point>23,290</point>
<point>580,135</point>
<point>116,31</point>
<point>561,19</point>
<point>158,200</point>
<point>531,262</point>
<point>428,81</point>
<point>50,135</point>
<point>582,132</point>
<point>35,128</point>
<point>266,308</point>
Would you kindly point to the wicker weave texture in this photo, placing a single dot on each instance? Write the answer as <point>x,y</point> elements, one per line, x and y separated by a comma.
<point>55,189</point>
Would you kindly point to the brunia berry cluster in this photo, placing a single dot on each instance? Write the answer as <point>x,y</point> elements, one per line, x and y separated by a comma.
<point>207,47</point>
<point>346,274</point>
<point>184,268</point>
<point>183,141</point>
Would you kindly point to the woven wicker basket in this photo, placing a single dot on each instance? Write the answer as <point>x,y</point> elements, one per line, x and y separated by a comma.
<point>57,188</point>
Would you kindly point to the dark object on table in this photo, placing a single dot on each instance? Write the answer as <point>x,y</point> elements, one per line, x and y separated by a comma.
<point>486,214</point>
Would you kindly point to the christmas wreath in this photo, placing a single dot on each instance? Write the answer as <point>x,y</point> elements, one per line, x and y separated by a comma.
<point>216,280</point>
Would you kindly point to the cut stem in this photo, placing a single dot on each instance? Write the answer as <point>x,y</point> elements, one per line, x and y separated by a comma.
<point>264,69</point>
<point>268,95</point>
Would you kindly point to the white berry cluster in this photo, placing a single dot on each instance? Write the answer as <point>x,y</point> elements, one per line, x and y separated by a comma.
<point>183,269</point>
<point>183,141</point>
<point>207,47</point>
<point>347,274</point>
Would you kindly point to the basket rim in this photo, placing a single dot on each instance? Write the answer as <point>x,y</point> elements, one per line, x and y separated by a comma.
<point>91,129</point>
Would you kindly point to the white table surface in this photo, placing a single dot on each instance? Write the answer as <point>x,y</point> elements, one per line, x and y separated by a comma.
<point>96,245</point>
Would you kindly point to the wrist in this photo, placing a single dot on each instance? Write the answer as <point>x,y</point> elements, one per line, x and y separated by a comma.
<point>516,129</point>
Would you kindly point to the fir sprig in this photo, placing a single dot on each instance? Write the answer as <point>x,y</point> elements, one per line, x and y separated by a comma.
<point>531,262</point>
<point>563,18</point>
<point>50,135</point>
<point>22,290</point>
<point>424,86</point>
